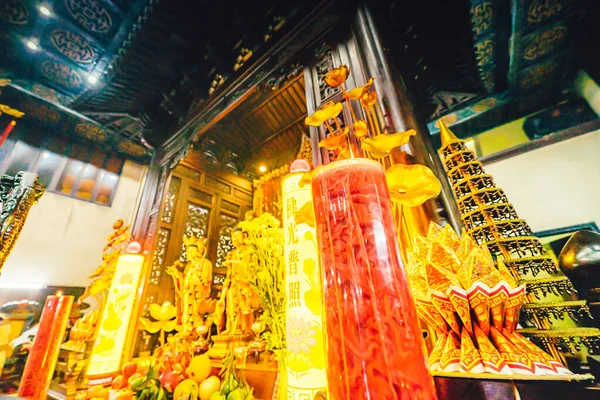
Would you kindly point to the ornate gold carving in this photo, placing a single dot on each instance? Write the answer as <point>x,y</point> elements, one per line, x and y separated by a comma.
<point>568,340</point>
<point>538,289</point>
<point>73,45</point>
<point>91,132</point>
<point>170,200</point>
<point>324,65</point>
<point>91,14</point>
<point>545,42</point>
<point>41,112</point>
<point>532,266</point>
<point>538,74</point>
<point>14,12</point>
<point>482,16</point>
<point>485,104</point>
<point>133,149</point>
<point>61,74</point>
<point>18,194</point>
<point>45,92</point>
<point>10,111</point>
<point>160,252</point>
<point>196,224</point>
<point>225,244</point>
<point>577,310</point>
<point>491,220</point>
<point>484,51</point>
<point>541,10</point>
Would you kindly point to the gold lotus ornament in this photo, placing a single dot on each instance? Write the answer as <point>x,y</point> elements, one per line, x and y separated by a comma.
<point>357,93</point>
<point>369,99</point>
<point>307,177</point>
<point>382,145</point>
<point>165,319</point>
<point>411,185</point>
<point>337,76</point>
<point>335,142</point>
<point>329,111</point>
<point>360,129</point>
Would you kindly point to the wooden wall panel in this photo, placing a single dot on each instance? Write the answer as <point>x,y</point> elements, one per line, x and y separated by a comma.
<point>193,202</point>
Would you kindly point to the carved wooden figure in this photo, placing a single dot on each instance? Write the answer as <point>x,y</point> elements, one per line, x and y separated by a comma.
<point>192,285</point>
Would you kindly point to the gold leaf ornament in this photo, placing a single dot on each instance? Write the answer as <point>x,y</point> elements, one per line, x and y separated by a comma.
<point>382,145</point>
<point>412,185</point>
<point>337,76</point>
<point>329,111</point>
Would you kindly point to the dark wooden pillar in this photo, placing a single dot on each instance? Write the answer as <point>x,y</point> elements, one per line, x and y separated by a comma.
<point>399,111</point>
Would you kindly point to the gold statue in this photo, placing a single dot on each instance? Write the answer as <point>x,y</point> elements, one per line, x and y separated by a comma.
<point>192,285</point>
<point>237,293</point>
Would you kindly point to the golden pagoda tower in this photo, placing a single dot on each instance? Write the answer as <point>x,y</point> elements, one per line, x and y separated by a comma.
<point>553,316</point>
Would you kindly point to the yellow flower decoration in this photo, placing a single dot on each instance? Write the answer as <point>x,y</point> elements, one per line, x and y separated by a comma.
<point>360,129</point>
<point>329,111</point>
<point>164,316</point>
<point>356,94</point>
<point>369,98</point>
<point>337,76</point>
<point>412,185</point>
<point>382,145</point>
<point>334,142</point>
<point>301,335</point>
<point>112,321</point>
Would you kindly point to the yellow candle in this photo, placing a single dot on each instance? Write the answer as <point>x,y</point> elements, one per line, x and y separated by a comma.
<point>305,360</point>
<point>110,342</point>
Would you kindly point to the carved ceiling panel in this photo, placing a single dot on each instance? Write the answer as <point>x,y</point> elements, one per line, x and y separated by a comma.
<point>54,58</point>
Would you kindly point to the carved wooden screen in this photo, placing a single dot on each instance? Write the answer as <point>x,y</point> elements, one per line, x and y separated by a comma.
<point>199,204</point>
<point>318,93</point>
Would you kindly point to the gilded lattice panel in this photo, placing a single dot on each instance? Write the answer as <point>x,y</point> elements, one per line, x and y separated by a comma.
<point>225,245</point>
<point>196,224</point>
<point>160,252</point>
<point>170,200</point>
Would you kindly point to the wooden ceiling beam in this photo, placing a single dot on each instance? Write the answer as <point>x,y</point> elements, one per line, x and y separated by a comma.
<point>278,92</point>
<point>228,110</point>
<point>285,128</point>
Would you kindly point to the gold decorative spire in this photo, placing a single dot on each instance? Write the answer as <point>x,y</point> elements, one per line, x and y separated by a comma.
<point>446,134</point>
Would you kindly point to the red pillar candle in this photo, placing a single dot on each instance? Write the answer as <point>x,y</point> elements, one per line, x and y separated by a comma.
<point>374,344</point>
<point>43,355</point>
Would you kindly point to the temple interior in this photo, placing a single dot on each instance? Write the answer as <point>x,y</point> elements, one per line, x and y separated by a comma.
<point>299,200</point>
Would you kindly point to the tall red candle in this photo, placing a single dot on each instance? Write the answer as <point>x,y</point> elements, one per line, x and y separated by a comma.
<point>374,344</point>
<point>43,355</point>
<point>7,131</point>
